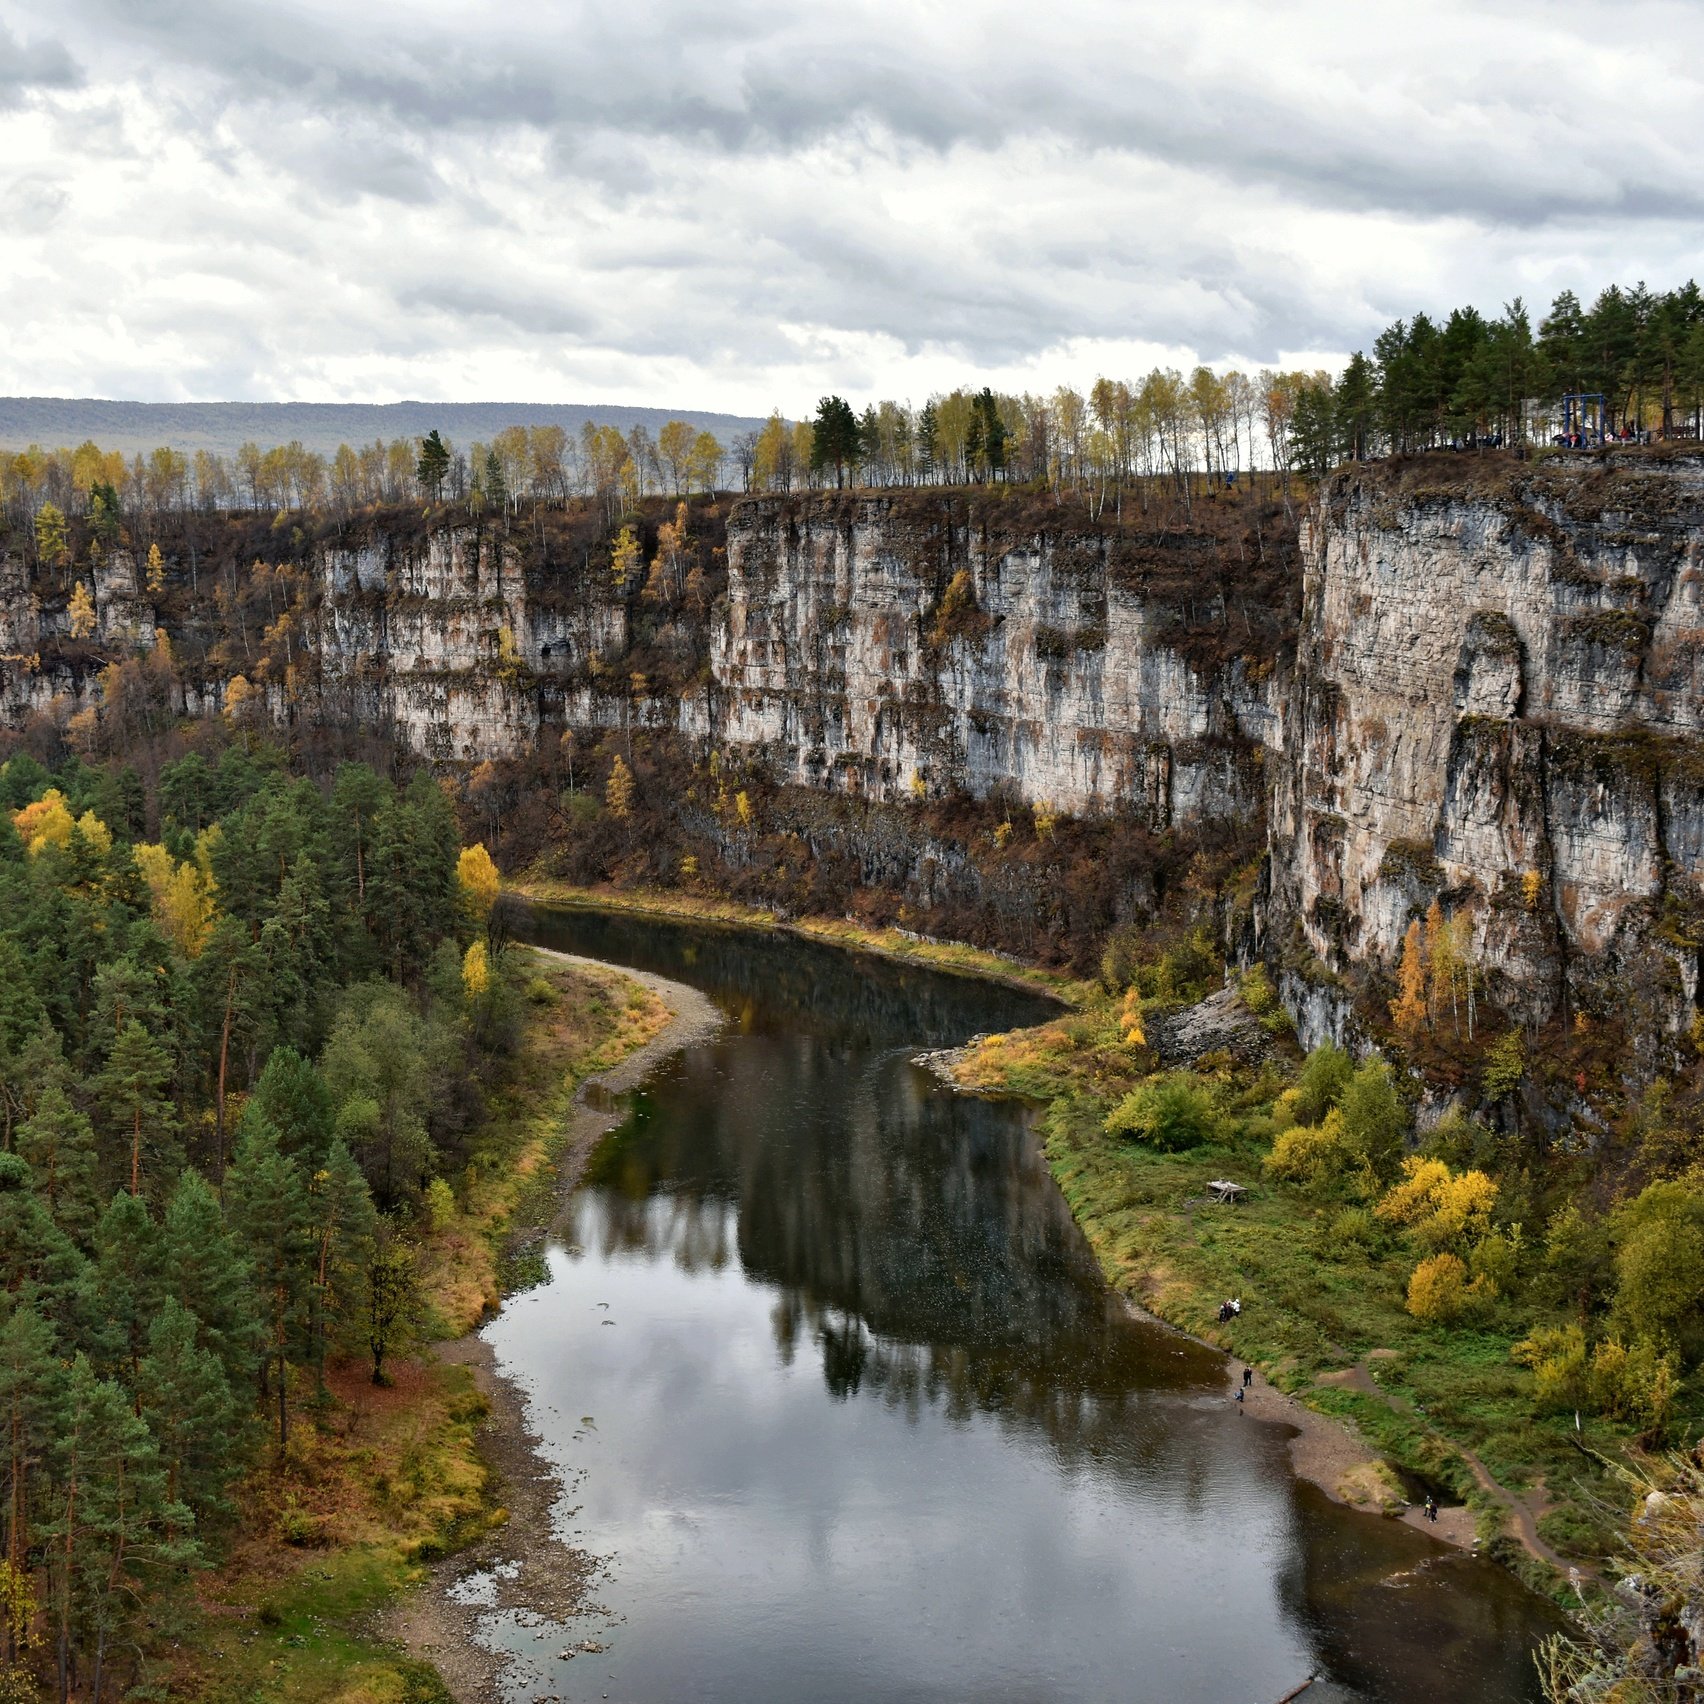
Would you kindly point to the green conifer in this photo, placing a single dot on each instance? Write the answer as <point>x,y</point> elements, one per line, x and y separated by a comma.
<point>131,1093</point>
<point>203,1266</point>
<point>292,1097</point>
<point>343,1222</point>
<point>268,1207</point>
<point>187,1403</point>
<point>58,1144</point>
<point>127,1278</point>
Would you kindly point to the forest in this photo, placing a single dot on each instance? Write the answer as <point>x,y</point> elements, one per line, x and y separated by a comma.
<point>1465,380</point>
<point>255,1001</point>
<point>319,960</point>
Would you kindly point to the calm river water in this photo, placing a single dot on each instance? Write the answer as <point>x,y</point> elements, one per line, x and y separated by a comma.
<point>833,1383</point>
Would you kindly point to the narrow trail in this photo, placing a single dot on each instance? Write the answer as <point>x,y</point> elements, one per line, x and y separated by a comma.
<point>1524,1511</point>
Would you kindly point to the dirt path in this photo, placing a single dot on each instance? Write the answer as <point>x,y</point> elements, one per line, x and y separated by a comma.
<point>1523,1512</point>
<point>525,1564</point>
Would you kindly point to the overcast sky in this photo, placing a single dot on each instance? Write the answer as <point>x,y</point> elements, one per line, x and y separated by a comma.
<point>745,203</point>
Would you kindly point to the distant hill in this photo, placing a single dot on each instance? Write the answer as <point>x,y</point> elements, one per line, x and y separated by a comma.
<point>223,426</point>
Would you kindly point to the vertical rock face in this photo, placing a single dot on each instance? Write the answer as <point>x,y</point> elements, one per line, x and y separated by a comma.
<point>1490,694</point>
<point>878,645</point>
<point>1496,703</point>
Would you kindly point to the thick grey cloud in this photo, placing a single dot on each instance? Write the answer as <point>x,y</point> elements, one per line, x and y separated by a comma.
<point>753,202</point>
<point>27,64</point>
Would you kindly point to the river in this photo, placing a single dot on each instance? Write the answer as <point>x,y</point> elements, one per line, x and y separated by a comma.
<point>832,1382</point>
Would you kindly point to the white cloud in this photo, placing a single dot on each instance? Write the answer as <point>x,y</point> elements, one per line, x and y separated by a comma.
<point>749,204</point>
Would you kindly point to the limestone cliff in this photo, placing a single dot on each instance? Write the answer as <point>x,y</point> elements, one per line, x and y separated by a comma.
<point>1481,685</point>
<point>1496,703</point>
<point>877,645</point>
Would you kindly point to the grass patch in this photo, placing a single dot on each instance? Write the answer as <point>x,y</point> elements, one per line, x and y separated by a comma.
<point>581,1021</point>
<point>1323,1289</point>
<point>377,1484</point>
<point>957,957</point>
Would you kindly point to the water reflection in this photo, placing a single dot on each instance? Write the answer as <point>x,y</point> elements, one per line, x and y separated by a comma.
<point>869,1424</point>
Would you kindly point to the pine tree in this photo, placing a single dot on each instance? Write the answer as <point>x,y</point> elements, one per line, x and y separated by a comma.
<point>21,1017</point>
<point>834,438</point>
<point>204,1267</point>
<point>292,1097</point>
<point>343,1224</point>
<point>31,1376</point>
<point>496,487</point>
<point>434,464</point>
<point>187,1403</point>
<point>131,1092</point>
<point>127,1278</point>
<point>229,982</point>
<point>109,1523</point>
<point>393,1296</point>
<point>295,942</point>
<point>36,1256</point>
<point>269,1210</point>
<point>57,1143</point>
<point>357,796</point>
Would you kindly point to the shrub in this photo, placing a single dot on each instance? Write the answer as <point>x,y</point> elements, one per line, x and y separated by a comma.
<point>301,1528</point>
<point>1311,1154</point>
<point>1180,974</point>
<point>440,1205</point>
<point>1577,1266</point>
<point>1557,1356</point>
<point>1353,1231</point>
<point>1496,1257</point>
<point>1319,1085</point>
<point>1374,1118</point>
<point>1171,1113</point>
<point>1460,1141</point>
<point>1505,1063</point>
<point>1637,1384</point>
<point>1659,1263</point>
<point>1437,1205</point>
<point>1439,1291</point>
<point>1261,998</point>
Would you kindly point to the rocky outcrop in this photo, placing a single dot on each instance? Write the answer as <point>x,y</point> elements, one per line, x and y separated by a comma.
<point>1496,705</point>
<point>1489,692</point>
<point>884,646</point>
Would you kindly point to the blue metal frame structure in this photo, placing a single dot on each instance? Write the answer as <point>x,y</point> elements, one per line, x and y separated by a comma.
<point>1574,416</point>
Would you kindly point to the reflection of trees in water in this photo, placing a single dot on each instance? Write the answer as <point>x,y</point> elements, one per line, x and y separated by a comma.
<point>913,1238</point>
<point>914,1245</point>
<point>770,983</point>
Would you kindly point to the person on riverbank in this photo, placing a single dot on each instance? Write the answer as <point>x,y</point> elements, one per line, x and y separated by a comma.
<point>1432,1510</point>
<point>1248,1377</point>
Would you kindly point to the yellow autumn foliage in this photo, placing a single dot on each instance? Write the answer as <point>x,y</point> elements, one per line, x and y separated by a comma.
<point>181,896</point>
<point>479,880</point>
<point>1439,1206</point>
<point>81,612</point>
<point>1130,1020</point>
<point>1438,1289</point>
<point>476,971</point>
